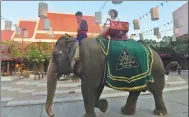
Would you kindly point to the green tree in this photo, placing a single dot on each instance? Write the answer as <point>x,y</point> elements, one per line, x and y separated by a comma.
<point>37,54</point>
<point>166,45</point>
<point>14,48</point>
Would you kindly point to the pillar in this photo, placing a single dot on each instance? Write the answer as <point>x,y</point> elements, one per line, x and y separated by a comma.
<point>8,68</point>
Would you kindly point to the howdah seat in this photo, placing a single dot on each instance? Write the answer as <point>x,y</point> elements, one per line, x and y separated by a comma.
<point>117,30</point>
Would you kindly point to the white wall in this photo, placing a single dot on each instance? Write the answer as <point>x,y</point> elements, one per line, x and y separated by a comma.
<point>181,15</point>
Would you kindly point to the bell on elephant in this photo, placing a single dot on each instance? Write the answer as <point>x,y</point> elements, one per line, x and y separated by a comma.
<point>117,1</point>
<point>98,17</point>
<point>8,25</point>
<point>43,10</point>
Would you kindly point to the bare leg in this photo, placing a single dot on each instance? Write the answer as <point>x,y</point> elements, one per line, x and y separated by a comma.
<point>130,106</point>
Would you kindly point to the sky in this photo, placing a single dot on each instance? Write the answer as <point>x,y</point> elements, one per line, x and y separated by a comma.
<point>128,11</point>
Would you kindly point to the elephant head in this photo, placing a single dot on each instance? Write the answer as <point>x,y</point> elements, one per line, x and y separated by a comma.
<point>62,55</point>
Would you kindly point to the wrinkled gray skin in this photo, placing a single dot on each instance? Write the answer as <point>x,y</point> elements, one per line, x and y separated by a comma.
<point>90,69</point>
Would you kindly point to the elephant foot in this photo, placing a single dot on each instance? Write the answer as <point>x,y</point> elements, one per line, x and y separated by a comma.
<point>103,105</point>
<point>89,115</point>
<point>160,112</point>
<point>128,110</point>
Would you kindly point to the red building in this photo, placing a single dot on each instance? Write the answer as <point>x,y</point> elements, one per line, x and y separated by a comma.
<point>61,23</point>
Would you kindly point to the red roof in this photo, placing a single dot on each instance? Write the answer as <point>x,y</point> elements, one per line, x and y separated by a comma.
<point>59,22</point>
<point>29,25</point>
<point>68,23</point>
<point>45,36</point>
<point>55,36</point>
<point>6,34</point>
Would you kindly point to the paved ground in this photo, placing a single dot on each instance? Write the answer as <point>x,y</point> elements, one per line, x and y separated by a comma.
<point>176,103</point>
<point>184,75</point>
<point>28,91</point>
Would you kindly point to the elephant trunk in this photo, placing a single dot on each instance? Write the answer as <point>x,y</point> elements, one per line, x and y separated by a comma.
<point>51,86</point>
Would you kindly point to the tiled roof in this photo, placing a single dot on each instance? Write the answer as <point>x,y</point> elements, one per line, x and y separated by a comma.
<point>45,36</point>
<point>7,57</point>
<point>29,25</point>
<point>60,23</point>
<point>68,23</point>
<point>6,34</point>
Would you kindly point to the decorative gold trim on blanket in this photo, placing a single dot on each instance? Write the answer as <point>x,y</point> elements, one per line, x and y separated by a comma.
<point>133,77</point>
<point>130,89</point>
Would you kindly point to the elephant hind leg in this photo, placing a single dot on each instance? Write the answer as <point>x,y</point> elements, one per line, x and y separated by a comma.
<point>160,105</point>
<point>102,104</point>
<point>156,88</point>
<point>130,106</point>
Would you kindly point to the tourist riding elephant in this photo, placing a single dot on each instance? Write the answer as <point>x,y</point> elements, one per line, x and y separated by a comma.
<point>92,67</point>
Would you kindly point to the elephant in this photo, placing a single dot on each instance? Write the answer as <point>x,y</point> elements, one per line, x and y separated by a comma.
<point>90,68</point>
<point>173,64</point>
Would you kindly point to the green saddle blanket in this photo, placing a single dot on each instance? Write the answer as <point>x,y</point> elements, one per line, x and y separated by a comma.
<point>128,64</point>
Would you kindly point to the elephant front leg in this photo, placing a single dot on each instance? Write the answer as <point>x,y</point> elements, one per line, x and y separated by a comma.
<point>130,106</point>
<point>88,92</point>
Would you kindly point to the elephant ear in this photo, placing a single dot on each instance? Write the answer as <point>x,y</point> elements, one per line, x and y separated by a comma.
<point>58,40</point>
<point>77,68</point>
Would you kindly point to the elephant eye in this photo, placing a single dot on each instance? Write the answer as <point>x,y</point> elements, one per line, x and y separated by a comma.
<point>63,51</point>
